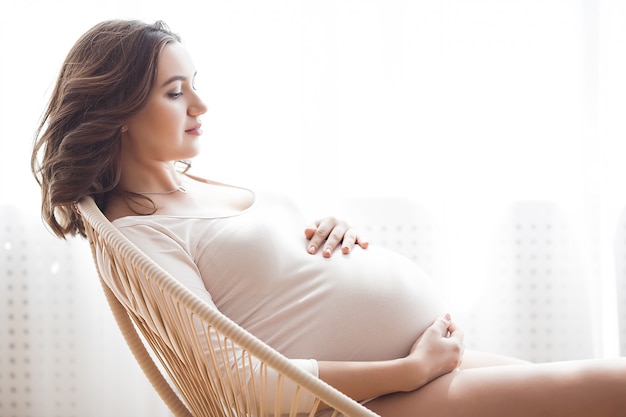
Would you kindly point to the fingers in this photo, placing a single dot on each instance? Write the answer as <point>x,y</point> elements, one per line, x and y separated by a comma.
<point>450,331</point>
<point>352,238</point>
<point>330,233</point>
<point>362,241</point>
<point>455,332</point>
<point>337,229</point>
<point>455,340</point>
<point>327,234</point>
<point>443,324</point>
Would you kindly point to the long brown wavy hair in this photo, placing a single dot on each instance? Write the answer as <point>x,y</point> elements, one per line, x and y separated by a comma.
<point>106,78</point>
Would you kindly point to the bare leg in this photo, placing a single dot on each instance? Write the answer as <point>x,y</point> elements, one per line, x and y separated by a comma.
<point>577,388</point>
<point>476,359</point>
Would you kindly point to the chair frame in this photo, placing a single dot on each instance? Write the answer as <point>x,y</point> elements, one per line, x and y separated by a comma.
<point>132,280</point>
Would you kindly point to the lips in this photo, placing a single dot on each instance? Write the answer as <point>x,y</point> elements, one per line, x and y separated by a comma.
<point>195,130</point>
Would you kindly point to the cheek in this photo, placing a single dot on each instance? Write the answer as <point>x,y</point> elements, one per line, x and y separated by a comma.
<point>158,122</point>
<point>167,118</point>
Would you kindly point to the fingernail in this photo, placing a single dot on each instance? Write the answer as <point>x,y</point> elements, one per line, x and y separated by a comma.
<point>447,316</point>
<point>327,252</point>
<point>311,249</point>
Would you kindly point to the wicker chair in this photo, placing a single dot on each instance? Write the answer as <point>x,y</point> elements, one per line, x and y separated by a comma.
<point>153,309</point>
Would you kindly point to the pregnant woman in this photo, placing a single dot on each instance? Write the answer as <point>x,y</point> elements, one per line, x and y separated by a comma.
<point>125,110</point>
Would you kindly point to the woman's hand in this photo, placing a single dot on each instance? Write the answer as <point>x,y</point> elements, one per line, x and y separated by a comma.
<point>331,233</point>
<point>438,350</point>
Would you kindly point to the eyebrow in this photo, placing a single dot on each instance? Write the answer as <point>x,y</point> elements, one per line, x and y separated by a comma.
<point>177,78</point>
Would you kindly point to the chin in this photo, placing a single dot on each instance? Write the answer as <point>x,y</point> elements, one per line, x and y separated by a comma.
<point>192,154</point>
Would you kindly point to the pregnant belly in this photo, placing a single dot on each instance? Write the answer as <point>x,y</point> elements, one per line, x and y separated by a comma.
<point>372,305</point>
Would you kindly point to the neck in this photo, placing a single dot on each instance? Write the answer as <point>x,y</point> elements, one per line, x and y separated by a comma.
<point>179,188</point>
<point>162,179</point>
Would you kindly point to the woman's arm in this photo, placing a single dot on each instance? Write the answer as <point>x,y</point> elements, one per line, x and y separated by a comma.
<point>438,351</point>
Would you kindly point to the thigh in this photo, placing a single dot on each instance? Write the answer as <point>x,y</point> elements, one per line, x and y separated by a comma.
<point>577,388</point>
<point>477,359</point>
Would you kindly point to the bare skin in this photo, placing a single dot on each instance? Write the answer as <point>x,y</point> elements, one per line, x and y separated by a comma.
<point>483,385</point>
<point>579,388</point>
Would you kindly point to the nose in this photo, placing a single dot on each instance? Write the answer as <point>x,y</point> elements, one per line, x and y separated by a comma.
<point>197,106</point>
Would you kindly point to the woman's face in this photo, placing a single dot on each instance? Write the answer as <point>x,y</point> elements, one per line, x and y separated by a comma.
<point>168,127</point>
